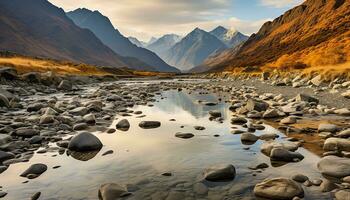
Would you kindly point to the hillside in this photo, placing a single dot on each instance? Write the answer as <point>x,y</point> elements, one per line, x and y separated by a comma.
<point>38,28</point>
<point>104,30</point>
<point>316,33</point>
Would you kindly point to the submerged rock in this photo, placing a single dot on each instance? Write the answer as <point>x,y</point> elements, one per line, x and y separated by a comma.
<point>149,124</point>
<point>85,142</point>
<point>281,154</point>
<point>35,169</point>
<point>278,188</point>
<point>220,173</point>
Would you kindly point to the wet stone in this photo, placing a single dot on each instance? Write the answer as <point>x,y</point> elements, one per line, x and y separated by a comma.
<point>149,124</point>
<point>34,170</point>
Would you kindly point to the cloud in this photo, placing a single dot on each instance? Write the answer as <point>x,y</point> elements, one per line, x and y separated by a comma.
<point>280,3</point>
<point>146,18</point>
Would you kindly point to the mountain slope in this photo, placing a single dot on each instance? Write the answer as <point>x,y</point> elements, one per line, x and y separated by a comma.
<point>38,28</point>
<point>104,30</point>
<point>163,44</point>
<point>137,42</point>
<point>231,38</point>
<point>315,33</point>
<point>193,49</point>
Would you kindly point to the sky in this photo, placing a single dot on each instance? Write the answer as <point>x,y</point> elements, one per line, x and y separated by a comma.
<point>144,19</point>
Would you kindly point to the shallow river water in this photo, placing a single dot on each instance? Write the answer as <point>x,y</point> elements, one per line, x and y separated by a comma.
<point>141,156</point>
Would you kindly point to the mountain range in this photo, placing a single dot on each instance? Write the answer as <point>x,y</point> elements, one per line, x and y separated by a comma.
<point>230,37</point>
<point>38,28</point>
<point>163,44</point>
<point>193,49</point>
<point>137,42</point>
<point>315,33</point>
<point>104,30</point>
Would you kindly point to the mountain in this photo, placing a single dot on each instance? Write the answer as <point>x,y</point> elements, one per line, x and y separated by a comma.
<point>315,33</point>
<point>153,39</point>
<point>163,44</point>
<point>104,30</point>
<point>193,49</point>
<point>38,28</point>
<point>137,42</point>
<point>230,37</point>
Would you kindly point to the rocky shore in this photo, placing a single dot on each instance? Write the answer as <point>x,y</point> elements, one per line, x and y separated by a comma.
<point>42,113</point>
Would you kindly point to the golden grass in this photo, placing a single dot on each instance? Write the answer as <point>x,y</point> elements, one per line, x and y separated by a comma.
<point>25,65</point>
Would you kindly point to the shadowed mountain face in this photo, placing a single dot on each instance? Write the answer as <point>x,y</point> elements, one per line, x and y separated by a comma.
<point>38,28</point>
<point>104,30</point>
<point>163,44</point>
<point>315,33</point>
<point>193,49</point>
<point>137,42</point>
<point>231,38</point>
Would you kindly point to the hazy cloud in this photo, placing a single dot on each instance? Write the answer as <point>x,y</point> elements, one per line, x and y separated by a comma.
<point>280,3</point>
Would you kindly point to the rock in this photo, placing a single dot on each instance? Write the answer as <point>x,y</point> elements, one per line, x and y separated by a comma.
<point>79,111</point>
<point>334,166</point>
<point>317,81</point>
<point>6,156</point>
<point>265,76</point>
<point>273,113</point>
<point>149,124</point>
<point>123,125</point>
<point>220,173</point>
<point>346,179</point>
<point>327,185</point>
<point>215,113</point>
<point>327,128</point>
<point>26,132</point>
<point>342,111</point>
<point>342,195</point>
<point>336,144</point>
<point>36,196</point>
<point>35,107</point>
<point>344,133</point>
<point>346,94</point>
<point>200,188</point>
<point>268,136</point>
<point>8,73</point>
<point>278,188</point>
<point>4,139</point>
<point>267,146</point>
<point>3,168</point>
<point>65,85</point>
<point>35,139</point>
<point>108,152</point>
<point>238,120</point>
<point>306,98</point>
<point>300,178</point>
<point>256,105</point>
<point>289,120</point>
<point>4,102</point>
<point>35,169</point>
<point>112,191</point>
<point>281,154</point>
<point>80,127</point>
<point>249,137</point>
<point>199,128</point>
<point>259,166</point>
<point>184,135</point>
<point>2,194</point>
<point>90,118</point>
<point>85,142</point>
<point>47,119</point>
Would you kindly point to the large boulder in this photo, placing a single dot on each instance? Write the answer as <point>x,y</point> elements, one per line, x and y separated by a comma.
<point>334,166</point>
<point>85,142</point>
<point>112,191</point>
<point>279,189</point>
<point>281,154</point>
<point>220,173</point>
<point>328,128</point>
<point>249,138</point>
<point>267,146</point>
<point>336,144</point>
<point>257,105</point>
<point>344,133</point>
<point>306,98</point>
